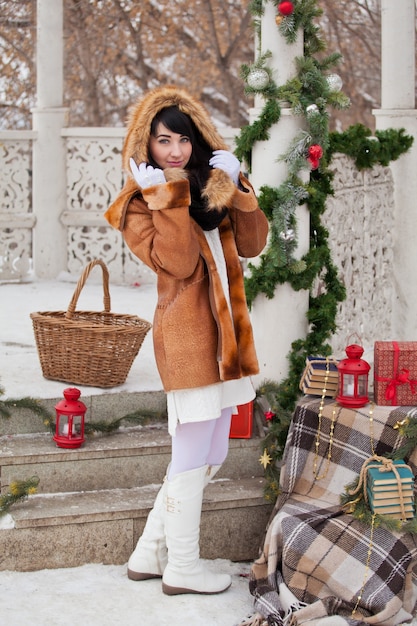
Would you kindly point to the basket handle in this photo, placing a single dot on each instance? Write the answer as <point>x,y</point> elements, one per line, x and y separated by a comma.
<point>81,283</point>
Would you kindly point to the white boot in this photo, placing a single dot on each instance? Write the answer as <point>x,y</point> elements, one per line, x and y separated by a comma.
<point>185,573</point>
<point>149,558</point>
<point>210,473</point>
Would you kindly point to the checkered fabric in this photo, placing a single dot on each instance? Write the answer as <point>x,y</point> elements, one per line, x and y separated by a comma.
<point>319,551</point>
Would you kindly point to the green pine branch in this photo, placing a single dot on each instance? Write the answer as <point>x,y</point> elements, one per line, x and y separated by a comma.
<point>311,95</point>
<point>18,490</point>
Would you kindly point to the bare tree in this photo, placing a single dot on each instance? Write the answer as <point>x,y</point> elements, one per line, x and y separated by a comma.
<point>117,49</point>
<point>17,68</point>
<point>353,28</point>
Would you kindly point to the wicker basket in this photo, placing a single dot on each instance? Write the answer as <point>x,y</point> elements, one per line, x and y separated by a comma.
<point>88,348</point>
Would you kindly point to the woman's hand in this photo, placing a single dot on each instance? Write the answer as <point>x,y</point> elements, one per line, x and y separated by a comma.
<point>146,175</point>
<point>226,161</point>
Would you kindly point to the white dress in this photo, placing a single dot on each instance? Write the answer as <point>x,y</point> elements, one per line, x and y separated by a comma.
<point>205,403</point>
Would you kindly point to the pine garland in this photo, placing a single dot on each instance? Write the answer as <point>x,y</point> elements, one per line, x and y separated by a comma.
<point>322,310</point>
<point>310,94</point>
<point>137,417</point>
<point>407,428</point>
<point>31,404</point>
<point>18,490</point>
<point>100,426</point>
<point>367,150</point>
<point>278,425</point>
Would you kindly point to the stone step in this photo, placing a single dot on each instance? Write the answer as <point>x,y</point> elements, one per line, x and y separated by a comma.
<point>128,458</point>
<point>71,529</point>
<point>93,501</point>
<point>105,406</point>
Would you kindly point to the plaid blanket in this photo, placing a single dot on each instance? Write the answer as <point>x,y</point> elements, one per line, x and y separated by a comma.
<point>324,556</point>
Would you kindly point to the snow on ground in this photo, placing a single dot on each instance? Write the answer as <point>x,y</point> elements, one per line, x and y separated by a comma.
<point>102,595</point>
<point>20,371</point>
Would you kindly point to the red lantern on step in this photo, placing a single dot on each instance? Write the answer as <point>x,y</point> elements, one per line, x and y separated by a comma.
<point>353,378</point>
<point>70,419</point>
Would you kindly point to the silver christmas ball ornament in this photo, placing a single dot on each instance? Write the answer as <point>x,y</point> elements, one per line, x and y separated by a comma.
<point>258,78</point>
<point>312,109</point>
<point>334,82</point>
<point>287,235</point>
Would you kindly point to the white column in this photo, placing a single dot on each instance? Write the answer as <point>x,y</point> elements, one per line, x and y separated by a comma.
<point>397,54</point>
<point>398,111</point>
<point>282,320</point>
<point>49,117</point>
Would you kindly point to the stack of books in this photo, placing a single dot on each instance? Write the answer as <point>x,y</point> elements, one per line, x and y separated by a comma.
<point>384,491</point>
<point>320,376</point>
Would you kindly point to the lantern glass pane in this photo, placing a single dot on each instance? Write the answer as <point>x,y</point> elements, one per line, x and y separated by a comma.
<point>63,428</point>
<point>362,385</point>
<point>348,385</point>
<point>76,425</point>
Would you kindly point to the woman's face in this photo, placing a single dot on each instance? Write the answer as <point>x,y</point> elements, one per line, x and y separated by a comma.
<point>170,149</point>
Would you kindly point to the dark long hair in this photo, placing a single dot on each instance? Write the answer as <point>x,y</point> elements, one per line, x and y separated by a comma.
<point>198,167</point>
<point>178,122</point>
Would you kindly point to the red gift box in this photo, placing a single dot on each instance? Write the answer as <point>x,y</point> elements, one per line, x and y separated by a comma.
<point>242,421</point>
<point>395,373</point>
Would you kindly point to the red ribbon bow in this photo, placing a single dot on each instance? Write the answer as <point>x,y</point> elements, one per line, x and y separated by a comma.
<point>399,378</point>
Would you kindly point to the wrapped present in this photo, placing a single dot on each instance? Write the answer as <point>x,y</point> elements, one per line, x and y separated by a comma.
<point>395,373</point>
<point>390,488</point>
<point>242,422</point>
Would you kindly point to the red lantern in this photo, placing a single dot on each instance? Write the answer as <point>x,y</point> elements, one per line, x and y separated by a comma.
<point>70,418</point>
<point>353,378</point>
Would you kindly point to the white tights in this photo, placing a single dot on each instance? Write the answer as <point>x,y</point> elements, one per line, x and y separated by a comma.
<point>200,443</point>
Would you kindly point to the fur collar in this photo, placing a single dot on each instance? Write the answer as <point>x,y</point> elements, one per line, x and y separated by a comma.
<point>218,191</point>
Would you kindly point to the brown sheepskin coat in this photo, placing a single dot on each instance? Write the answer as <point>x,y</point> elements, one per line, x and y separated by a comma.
<point>195,340</point>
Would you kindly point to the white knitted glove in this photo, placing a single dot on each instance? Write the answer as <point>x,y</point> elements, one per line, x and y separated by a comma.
<point>226,161</point>
<point>146,175</point>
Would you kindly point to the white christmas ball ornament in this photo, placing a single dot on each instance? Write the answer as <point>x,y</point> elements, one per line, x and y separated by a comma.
<point>334,82</point>
<point>258,79</point>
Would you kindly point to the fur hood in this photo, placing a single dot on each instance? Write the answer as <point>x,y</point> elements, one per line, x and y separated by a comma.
<point>219,190</point>
<point>142,114</point>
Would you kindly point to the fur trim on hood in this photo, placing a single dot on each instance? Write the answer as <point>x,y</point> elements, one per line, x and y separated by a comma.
<point>142,114</point>
<point>219,190</point>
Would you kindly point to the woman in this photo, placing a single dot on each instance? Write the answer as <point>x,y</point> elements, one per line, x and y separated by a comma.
<point>188,213</point>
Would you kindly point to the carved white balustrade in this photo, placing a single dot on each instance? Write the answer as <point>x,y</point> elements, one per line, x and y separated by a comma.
<point>359,218</point>
<point>360,221</point>
<point>16,217</point>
